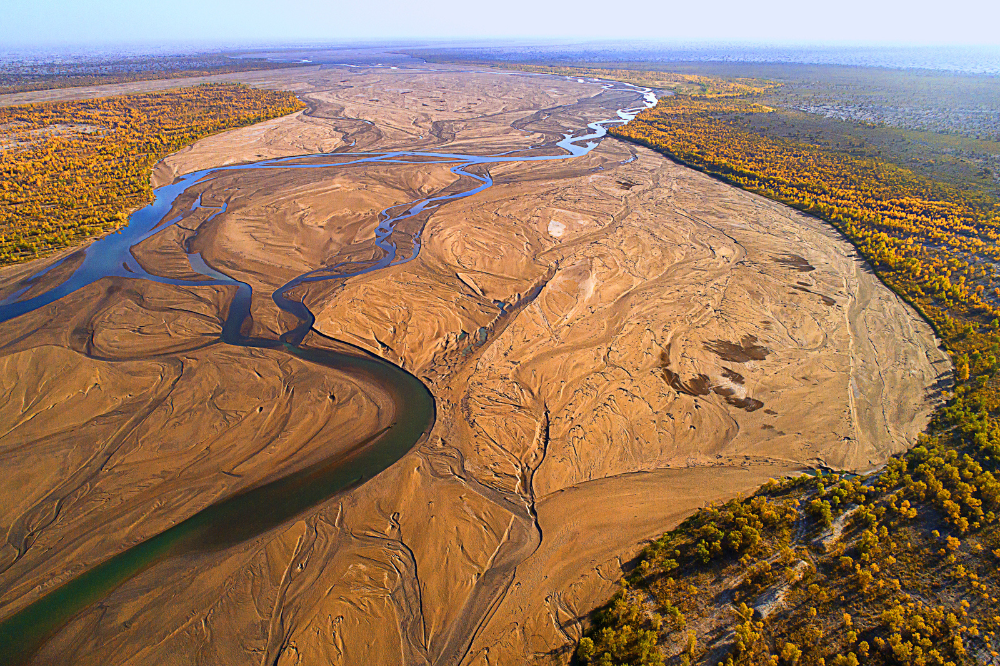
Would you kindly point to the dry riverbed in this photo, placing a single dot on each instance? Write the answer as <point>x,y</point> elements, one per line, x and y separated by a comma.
<point>612,341</point>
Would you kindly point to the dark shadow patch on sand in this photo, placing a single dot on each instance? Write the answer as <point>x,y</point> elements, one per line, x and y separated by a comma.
<point>747,403</point>
<point>795,262</point>
<point>732,376</point>
<point>746,350</point>
<point>702,385</point>
<point>826,299</point>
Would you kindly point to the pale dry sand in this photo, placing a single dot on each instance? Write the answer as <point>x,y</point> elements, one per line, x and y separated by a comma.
<point>672,341</point>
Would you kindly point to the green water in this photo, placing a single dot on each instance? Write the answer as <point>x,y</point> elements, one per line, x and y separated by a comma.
<point>243,516</point>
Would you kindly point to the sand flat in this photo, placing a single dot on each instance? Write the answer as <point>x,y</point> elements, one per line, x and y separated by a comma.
<point>675,342</point>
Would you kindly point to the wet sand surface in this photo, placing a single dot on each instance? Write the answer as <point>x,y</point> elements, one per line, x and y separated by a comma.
<point>612,341</point>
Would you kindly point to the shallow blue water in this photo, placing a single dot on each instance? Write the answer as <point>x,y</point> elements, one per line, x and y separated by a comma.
<point>111,256</point>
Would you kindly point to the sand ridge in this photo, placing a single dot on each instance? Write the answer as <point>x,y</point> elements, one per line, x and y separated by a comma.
<point>675,342</point>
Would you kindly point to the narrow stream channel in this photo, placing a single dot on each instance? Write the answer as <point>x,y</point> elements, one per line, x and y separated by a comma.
<point>254,511</point>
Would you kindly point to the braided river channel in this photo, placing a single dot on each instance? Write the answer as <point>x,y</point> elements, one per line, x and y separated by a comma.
<point>252,512</point>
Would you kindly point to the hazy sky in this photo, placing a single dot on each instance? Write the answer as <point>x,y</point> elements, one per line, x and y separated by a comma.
<point>47,22</point>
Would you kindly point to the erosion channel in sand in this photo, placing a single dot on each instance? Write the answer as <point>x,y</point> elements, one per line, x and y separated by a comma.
<point>256,510</point>
<point>611,341</point>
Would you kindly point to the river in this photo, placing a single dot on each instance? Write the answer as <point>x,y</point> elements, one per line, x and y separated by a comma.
<point>254,511</point>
